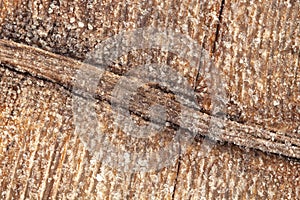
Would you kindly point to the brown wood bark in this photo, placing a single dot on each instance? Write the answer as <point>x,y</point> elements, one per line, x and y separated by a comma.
<point>255,46</point>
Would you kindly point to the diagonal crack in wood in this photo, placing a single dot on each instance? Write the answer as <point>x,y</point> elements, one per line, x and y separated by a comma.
<point>62,70</point>
<point>218,26</point>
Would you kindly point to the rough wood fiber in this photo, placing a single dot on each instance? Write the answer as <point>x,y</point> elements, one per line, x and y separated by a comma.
<point>256,46</point>
<point>42,158</point>
<point>258,51</point>
<point>62,71</point>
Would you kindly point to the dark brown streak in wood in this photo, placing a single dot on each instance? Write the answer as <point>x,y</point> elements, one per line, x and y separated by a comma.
<point>61,70</point>
<point>199,67</point>
<point>218,26</point>
<point>176,178</point>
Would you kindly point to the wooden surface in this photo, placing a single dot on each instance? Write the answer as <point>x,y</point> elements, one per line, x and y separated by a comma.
<point>255,47</point>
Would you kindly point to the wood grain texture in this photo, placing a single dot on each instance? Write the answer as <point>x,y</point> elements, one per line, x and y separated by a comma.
<point>258,50</point>
<point>255,46</point>
<point>265,54</point>
<point>41,157</point>
<point>62,71</point>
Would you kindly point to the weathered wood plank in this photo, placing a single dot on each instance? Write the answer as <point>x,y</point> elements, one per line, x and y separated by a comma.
<point>255,47</point>
<point>258,51</point>
<point>63,71</point>
<point>51,160</point>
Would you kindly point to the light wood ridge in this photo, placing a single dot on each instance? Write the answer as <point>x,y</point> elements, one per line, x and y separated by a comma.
<point>62,70</point>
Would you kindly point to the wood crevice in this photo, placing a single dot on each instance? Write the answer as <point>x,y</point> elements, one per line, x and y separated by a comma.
<point>218,26</point>
<point>61,70</point>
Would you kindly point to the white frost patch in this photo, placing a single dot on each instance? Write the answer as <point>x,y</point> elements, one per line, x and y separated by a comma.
<point>99,178</point>
<point>80,24</point>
